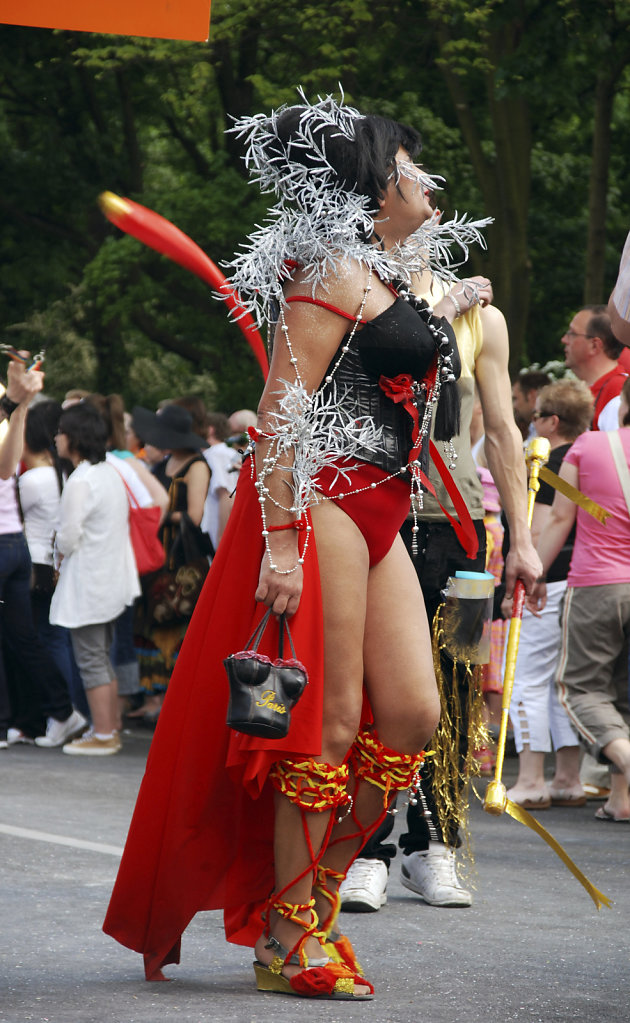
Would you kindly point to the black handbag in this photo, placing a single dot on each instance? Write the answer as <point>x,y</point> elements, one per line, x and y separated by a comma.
<point>189,544</point>
<point>173,591</point>
<point>43,579</point>
<point>263,692</point>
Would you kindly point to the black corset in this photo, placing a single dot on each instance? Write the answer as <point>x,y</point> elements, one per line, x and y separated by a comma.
<point>356,390</point>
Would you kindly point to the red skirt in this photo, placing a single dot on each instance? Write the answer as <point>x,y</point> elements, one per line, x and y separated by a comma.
<point>201,837</point>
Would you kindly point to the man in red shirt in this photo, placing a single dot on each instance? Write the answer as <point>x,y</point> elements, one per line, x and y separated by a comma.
<point>592,351</point>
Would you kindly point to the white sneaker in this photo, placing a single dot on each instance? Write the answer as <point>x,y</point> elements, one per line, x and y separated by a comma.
<point>16,737</point>
<point>363,890</point>
<point>431,875</point>
<point>58,732</point>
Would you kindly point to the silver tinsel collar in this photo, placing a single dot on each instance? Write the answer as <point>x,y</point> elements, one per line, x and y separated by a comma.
<point>317,223</point>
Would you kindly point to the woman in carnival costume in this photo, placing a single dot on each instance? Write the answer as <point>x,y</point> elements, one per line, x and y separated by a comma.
<point>266,829</point>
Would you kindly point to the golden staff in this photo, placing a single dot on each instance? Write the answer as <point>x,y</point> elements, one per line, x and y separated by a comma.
<point>496,800</point>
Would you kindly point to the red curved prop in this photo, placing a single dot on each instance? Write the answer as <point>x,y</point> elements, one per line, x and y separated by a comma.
<point>160,234</point>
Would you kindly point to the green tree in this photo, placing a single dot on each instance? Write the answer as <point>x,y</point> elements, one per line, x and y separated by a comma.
<point>522,104</point>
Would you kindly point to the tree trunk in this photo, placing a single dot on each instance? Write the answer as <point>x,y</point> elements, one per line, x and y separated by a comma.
<point>505,186</point>
<point>598,189</point>
<point>111,358</point>
<point>132,145</point>
<point>509,205</point>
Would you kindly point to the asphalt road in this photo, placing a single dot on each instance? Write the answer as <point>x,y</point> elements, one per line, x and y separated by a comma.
<point>532,947</point>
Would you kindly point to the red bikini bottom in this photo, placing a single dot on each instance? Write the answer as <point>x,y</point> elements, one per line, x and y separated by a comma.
<point>379,510</point>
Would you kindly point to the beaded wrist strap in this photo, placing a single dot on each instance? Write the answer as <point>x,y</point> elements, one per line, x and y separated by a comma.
<point>456,305</point>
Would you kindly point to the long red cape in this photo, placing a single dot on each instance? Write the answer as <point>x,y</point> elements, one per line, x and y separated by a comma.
<point>202,831</point>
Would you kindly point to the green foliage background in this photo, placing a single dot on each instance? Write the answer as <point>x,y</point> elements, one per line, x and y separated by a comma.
<point>523,105</point>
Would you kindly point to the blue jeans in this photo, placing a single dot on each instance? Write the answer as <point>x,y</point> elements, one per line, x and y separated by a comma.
<point>56,640</point>
<point>123,654</point>
<point>31,686</point>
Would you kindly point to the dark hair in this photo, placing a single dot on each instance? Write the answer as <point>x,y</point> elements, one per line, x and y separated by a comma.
<point>363,164</point>
<point>41,424</point>
<point>625,394</point>
<point>112,409</point>
<point>75,394</point>
<point>532,380</point>
<point>197,409</point>
<point>86,431</point>
<point>220,425</point>
<point>600,326</point>
<point>42,420</point>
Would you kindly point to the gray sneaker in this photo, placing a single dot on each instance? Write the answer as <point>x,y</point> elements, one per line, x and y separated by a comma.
<point>58,732</point>
<point>431,875</point>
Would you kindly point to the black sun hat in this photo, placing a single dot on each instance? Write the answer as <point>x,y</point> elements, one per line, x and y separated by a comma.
<point>169,429</point>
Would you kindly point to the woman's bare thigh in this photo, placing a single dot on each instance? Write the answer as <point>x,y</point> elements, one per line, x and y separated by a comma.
<point>343,560</point>
<point>398,663</point>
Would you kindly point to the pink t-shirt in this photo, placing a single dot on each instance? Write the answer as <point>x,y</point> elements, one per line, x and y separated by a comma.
<point>601,554</point>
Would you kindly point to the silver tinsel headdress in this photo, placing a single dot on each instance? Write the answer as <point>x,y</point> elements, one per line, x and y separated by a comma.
<point>316,222</point>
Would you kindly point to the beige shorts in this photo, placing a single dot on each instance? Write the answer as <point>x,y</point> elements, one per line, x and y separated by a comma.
<point>592,673</point>
<point>91,645</point>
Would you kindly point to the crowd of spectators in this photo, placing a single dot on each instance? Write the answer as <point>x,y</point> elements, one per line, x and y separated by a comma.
<point>88,642</point>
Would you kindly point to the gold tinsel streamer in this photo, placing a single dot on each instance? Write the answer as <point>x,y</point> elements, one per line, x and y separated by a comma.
<point>451,773</point>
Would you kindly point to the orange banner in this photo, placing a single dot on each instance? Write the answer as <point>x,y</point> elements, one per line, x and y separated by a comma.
<point>162,19</point>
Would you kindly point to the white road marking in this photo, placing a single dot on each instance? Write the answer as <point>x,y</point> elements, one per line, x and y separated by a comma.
<point>74,843</point>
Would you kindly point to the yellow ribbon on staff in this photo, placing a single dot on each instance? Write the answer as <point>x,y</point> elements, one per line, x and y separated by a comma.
<point>574,495</point>
<point>495,800</point>
<point>519,814</point>
<point>523,817</point>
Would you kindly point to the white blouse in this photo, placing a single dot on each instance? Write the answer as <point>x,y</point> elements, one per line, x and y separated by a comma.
<point>10,521</point>
<point>222,460</point>
<point>39,498</point>
<point>97,577</point>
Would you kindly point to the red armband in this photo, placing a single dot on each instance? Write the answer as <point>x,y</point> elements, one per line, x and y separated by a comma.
<point>298,524</point>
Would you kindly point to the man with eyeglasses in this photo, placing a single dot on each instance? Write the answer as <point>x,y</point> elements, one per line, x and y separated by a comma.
<point>592,351</point>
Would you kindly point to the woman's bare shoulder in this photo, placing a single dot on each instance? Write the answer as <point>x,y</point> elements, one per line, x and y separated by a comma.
<point>342,285</point>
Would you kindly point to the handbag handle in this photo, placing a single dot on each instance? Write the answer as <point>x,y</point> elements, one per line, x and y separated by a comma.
<point>619,457</point>
<point>131,497</point>
<point>254,640</point>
